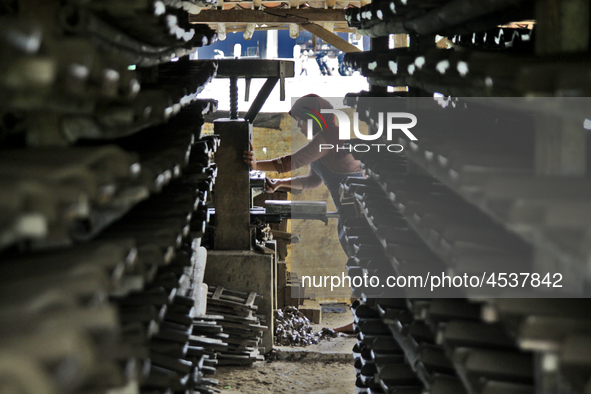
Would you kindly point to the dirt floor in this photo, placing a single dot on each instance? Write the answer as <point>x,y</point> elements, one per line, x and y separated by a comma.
<point>289,377</point>
<point>326,368</point>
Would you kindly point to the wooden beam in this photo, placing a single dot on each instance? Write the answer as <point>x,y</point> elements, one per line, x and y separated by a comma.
<point>240,29</point>
<point>302,15</point>
<point>330,37</point>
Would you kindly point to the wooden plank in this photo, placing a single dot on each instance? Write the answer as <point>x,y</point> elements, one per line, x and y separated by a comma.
<point>242,295</point>
<point>242,326</point>
<point>330,37</point>
<point>251,68</point>
<point>218,292</point>
<point>251,298</point>
<point>226,311</point>
<point>239,319</point>
<point>269,16</point>
<point>232,298</point>
<point>232,304</point>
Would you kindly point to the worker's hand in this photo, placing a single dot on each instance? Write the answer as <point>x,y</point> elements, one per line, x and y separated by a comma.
<point>249,158</point>
<point>271,185</point>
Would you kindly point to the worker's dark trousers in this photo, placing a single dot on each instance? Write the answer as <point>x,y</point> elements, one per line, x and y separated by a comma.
<point>333,180</point>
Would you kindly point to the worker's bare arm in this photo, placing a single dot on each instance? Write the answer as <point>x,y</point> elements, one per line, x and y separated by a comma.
<point>299,183</point>
<point>260,165</point>
<point>284,185</point>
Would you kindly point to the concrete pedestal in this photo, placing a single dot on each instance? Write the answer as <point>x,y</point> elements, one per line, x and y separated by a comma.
<point>245,271</point>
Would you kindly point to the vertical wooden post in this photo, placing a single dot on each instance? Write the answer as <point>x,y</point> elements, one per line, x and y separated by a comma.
<point>232,186</point>
<point>379,44</point>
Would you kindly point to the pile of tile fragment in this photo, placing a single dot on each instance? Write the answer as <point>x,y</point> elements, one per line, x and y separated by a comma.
<point>292,328</point>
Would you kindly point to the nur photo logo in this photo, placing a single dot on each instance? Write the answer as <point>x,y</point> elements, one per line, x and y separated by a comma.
<point>392,123</point>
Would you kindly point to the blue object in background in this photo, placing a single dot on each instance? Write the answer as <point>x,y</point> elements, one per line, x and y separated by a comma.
<point>334,308</point>
<point>259,38</point>
<point>227,46</point>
